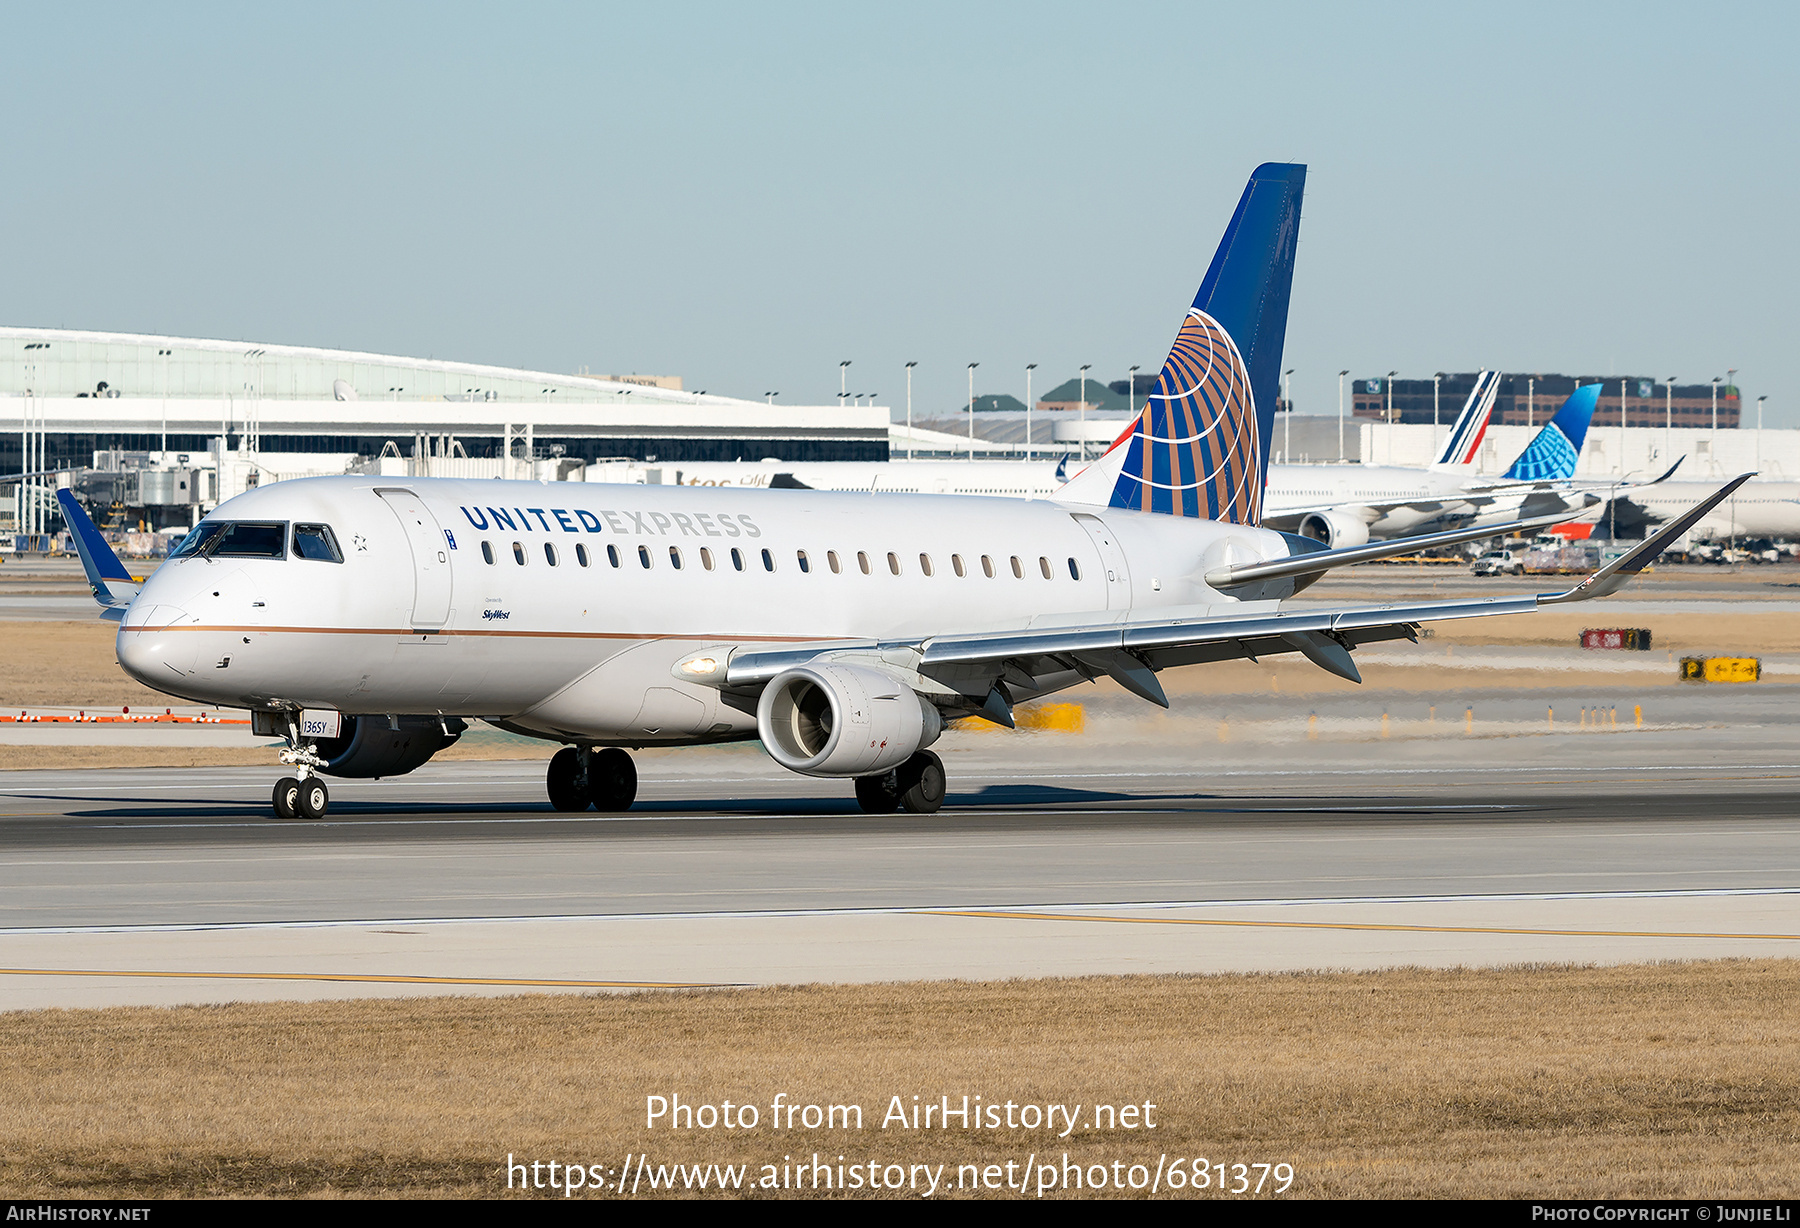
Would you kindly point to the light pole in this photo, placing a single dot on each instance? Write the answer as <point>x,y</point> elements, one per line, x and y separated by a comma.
<point>909,434</point>
<point>972,367</point>
<point>1287,421</point>
<point>1759,401</point>
<point>1131,391</point>
<point>1341,375</point>
<point>1082,404</point>
<point>1622,393</point>
<point>1390,416</point>
<point>843,381</point>
<point>1530,401</point>
<point>1712,448</point>
<point>771,396</point>
<point>1436,384</point>
<point>1029,368</point>
<point>1669,417</point>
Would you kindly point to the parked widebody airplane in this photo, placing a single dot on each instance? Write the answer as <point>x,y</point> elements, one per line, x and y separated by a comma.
<point>367,619</point>
<point>1760,510</point>
<point>1347,505</point>
<point>1340,505</point>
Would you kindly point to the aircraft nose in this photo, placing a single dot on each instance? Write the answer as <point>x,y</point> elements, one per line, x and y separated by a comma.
<point>152,649</point>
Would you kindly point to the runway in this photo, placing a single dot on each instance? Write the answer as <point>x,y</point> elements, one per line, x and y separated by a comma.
<point>1047,860</point>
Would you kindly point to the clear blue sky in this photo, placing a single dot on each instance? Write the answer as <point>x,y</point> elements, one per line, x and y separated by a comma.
<point>746,194</point>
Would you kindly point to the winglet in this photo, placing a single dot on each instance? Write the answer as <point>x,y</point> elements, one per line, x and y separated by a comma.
<point>112,585</point>
<point>1614,576</point>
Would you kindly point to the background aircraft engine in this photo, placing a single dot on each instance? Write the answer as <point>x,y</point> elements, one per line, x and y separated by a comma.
<point>1335,529</point>
<point>843,720</point>
<point>368,747</point>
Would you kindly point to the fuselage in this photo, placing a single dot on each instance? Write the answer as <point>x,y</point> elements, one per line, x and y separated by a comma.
<point>568,608</point>
<point>1757,509</point>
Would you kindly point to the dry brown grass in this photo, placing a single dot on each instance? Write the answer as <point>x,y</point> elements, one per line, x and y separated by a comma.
<point>1673,1080</point>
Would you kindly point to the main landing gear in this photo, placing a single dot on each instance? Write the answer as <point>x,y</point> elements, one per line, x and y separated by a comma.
<point>916,786</point>
<point>579,777</point>
<point>303,796</point>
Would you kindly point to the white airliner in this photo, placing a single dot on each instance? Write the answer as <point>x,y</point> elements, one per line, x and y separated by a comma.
<point>367,619</point>
<point>1761,509</point>
<point>1340,505</point>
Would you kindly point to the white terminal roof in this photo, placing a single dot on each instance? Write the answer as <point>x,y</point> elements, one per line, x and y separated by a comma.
<point>290,388</point>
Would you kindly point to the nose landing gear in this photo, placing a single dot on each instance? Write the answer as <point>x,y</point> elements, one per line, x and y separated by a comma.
<point>579,777</point>
<point>303,796</point>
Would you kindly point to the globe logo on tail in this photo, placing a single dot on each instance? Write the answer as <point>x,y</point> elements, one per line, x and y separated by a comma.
<point>1194,450</point>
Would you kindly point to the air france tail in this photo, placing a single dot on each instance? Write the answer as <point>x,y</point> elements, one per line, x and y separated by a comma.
<point>1471,424</point>
<point>1552,454</point>
<point>1197,449</point>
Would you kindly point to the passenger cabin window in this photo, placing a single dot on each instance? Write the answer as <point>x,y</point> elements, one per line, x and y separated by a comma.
<point>862,561</point>
<point>1044,566</point>
<point>487,553</point>
<point>925,564</point>
<point>316,542</point>
<point>893,562</point>
<point>550,554</point>
<point>1074,570</point>
<point>581,554</point>
<point>768,561</point>
<point>675,557</point>
<point>737,559</point>
<point>612,555</point>
<point>987,566</point>
<point>805,563</point>
<point>832,559</point>
<point>519,554</point>
<point>644,556</point>
<point>956,565</point>
<point>706,558</point>
<point>1018,569</point>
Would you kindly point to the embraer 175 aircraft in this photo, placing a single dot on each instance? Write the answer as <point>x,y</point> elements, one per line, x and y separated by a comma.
<point>366,619</point>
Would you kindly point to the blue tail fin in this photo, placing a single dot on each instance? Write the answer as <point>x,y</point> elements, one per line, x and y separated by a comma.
<point>112,585</point>
<point>1198,447</point>
<point>1553,453</point>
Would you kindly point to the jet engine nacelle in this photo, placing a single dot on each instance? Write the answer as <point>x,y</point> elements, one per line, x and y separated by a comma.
<point>367,746</point>
<point>1335,529</point>
<point>843,720</point>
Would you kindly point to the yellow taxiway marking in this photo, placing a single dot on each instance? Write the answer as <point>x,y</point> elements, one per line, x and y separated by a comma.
<point>1351,925</point>
<point>384,980</point>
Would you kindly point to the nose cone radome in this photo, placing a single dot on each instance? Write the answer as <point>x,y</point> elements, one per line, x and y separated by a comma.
<point>153,649</point>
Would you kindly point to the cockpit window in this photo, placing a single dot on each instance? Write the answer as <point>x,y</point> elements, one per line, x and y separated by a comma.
<point>316,541</point>
<point>196,540</point>
<point>249,539</point>
<point>235,539</point>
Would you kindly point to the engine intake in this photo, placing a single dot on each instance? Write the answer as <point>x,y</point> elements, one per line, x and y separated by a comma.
<point>843,720</point>
<point>1335,529</point>
<point>368,747</point>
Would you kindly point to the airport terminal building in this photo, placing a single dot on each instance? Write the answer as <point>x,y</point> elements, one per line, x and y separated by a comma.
<point>186,422</point>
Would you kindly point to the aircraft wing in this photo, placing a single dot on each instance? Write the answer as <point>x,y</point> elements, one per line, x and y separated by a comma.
<point>1568,485</point>
<point>993,670</point>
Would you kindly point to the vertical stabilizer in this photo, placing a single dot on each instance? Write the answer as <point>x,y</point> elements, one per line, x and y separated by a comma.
<point>1553,453</point>
<point>1470,425</point>
<point>1198,448</point>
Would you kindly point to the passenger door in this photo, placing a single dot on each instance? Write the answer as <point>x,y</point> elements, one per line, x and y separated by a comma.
<point>430,556</point>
